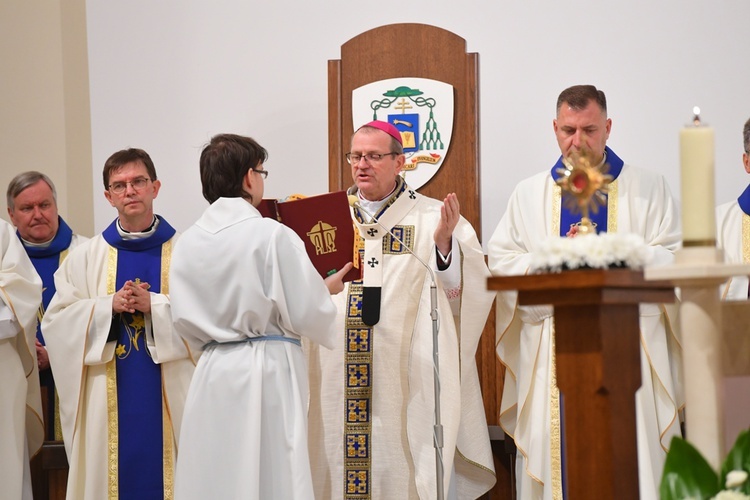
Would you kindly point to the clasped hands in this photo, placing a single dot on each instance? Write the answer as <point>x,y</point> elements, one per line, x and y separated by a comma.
<point>132,297</point>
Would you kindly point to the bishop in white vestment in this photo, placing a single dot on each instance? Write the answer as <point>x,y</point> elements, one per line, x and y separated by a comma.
<point>372,395</point>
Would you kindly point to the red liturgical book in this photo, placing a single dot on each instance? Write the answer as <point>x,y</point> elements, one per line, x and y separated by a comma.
<point>324,224</point>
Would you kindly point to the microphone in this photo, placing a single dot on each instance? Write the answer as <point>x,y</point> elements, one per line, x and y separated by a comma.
<point>438,427</point>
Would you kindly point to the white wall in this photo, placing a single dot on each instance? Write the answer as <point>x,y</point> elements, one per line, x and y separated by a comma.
<point>167,75</point>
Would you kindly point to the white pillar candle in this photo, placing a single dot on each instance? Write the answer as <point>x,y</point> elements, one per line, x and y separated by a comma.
<point>697,181</point>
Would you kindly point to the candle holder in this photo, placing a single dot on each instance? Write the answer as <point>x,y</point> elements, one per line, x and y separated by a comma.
<point>698,270</point>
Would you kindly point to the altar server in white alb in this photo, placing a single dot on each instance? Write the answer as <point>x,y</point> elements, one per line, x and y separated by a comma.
<point>244,292</point>
<point>21,429</point>
<point>372,397</point>
<point>639,202</point>
<point>733,230</point>
<point>120,370</point>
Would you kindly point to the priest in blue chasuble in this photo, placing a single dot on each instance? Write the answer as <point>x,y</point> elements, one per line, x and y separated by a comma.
<point>121,371</point>
<point>47,239</point>
<point>639,201</point>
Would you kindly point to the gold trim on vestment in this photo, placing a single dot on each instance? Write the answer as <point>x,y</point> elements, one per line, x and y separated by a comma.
<point>113,444</point>
<point>612,207</point>
<point>554,393</point>
<point>168,437</point>
<point>166,261</point>
<point>57,424</point>
<point>745,238</point>
<point>556,209</point>
<point>357,399</point>
<point>555,420</point>
<point>112,431</point>
<point>168,447</point>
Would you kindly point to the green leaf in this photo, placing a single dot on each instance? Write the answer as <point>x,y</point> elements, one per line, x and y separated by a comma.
<point>738,459</point>
<point>687,474</point>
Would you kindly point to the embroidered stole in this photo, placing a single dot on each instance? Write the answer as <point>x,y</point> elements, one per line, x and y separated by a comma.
<point>362,316</point>
<point>141,454</point>
<point>46,260</point>
<point>744,202</point>
<point>562,220</point>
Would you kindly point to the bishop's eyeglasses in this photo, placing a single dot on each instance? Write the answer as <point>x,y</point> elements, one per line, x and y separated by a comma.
<point>355,158</point>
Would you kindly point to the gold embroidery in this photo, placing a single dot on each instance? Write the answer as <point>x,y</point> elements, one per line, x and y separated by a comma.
<point>556,209</point>
<point>358,400</point>
<point>135,329</point>
<point>612,207</point>
<point>166,261</point>
<point>554,416</point>
<point>745,238</point>
<point>113,443</point>
<point>168,449</point>
<point>169,445</point>
<point>392,246</point>
<point>58,424</point>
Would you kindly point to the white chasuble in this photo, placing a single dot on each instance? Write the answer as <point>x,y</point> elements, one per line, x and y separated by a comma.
<point>21,429</point>
<point>372,396</point>
<point>76,326</point>
<point>641,204</point>
<point>733,236</point>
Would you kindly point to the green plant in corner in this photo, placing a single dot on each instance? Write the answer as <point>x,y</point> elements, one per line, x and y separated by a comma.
<point>687,475</point>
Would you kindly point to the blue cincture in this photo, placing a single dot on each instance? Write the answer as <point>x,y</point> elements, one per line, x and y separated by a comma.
<point>214,343</point>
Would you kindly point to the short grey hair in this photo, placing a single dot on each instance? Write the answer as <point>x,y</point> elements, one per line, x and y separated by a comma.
<point>23,181</point>
<point>746,136</point>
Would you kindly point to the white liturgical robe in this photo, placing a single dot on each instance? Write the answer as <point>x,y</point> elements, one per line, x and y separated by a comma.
<point>21,430</point>
<point>76,327</point>
<point>372,396</point>
<point>733,236</point>
<point>639,203</point>
<point>244,285</point>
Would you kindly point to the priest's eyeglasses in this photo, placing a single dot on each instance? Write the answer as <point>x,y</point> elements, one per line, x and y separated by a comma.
<point>355,158</point>
<point>264,173</point>
<point>138,184</point>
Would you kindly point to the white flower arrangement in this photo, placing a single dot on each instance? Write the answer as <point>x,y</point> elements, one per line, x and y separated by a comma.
<point>735,480</point>
<point>602,251</point>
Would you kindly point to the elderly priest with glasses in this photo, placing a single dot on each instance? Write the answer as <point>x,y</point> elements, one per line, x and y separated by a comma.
<point>121,371</point>
<point>372,398</point>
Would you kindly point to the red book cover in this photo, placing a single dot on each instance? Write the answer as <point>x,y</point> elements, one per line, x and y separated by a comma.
<point>324,223</point>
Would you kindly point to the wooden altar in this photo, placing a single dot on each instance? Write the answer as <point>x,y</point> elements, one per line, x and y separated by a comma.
<point>598,369</point>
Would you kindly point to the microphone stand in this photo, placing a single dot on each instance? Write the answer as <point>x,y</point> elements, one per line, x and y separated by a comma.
<point>437,433</point>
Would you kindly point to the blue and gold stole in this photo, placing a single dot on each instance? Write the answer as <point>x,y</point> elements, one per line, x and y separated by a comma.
<point>46,260</point>
<point>140,433</point>
<point>601,217</point>
<point>744,202</point>
<point>362,316</point>
<point>563,219</point>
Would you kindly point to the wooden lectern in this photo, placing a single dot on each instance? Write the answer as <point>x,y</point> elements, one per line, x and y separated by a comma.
<point>597,339</point>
